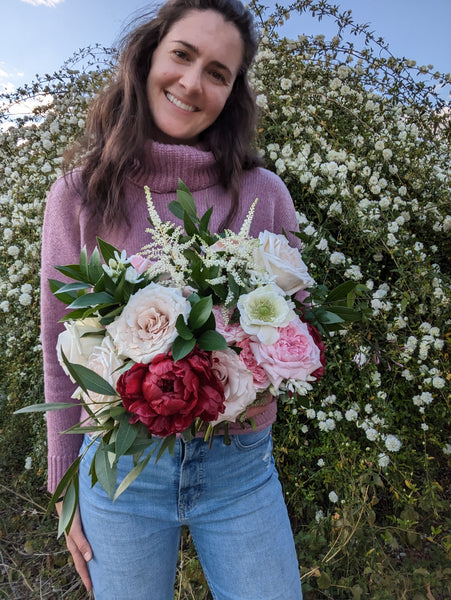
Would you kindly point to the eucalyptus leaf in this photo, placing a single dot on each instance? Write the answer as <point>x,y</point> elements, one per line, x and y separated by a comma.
<point>106,472</point>
<point>69,507</point>
<point>130,477</point>
<point>66,479</point>
<point>87,379</point>
<point>44,407</point>
<point>126,435</point>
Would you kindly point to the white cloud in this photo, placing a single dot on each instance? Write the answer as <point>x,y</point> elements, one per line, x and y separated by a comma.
<point>43,2</point>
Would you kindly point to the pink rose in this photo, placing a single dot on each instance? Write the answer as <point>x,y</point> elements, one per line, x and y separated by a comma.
<point>238,384</point>
<point>139,263</point>
<point>231,332</point>
<point>295,355</point>
<point>261,380</point>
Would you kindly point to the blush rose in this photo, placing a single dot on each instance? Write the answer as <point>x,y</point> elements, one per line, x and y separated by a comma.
<point>146,326</point>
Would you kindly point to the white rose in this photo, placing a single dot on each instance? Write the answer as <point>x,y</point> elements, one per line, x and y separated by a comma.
<point>282,261</point>
<point>238,382</point>
<point>105,362</point>
<point>77,346</point>
<point>146,326</point>
<point>263,310</point>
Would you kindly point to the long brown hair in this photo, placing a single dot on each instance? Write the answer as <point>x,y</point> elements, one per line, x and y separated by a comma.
<point>120,121</point>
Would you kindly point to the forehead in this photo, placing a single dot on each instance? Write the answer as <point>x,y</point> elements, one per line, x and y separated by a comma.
<point>214,37</point>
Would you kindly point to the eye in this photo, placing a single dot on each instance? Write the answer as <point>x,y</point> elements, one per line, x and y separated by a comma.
<point>181,54</point>
<point>218,76</point>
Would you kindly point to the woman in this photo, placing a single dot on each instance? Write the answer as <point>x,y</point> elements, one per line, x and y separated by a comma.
<point>179,107</point>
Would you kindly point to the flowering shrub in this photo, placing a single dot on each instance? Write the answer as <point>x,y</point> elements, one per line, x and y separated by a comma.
<point>362,141</point>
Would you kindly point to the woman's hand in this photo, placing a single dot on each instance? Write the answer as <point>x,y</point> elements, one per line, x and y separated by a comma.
<point>79,547</point>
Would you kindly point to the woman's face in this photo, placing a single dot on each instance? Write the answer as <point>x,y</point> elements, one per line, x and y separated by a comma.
<point>192,74</point>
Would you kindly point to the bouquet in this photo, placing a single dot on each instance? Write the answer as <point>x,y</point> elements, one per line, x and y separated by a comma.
<point>181,339</point>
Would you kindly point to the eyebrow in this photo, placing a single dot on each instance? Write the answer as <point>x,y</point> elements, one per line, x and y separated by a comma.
<point>196,51</point>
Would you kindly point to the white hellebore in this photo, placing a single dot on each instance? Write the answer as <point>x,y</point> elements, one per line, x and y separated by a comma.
<point>283,262</point>
<point>146,326</point>
<point>263,310</point>
<point>76,345</point>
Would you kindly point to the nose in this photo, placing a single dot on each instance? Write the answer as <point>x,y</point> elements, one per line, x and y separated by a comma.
<point>192,79</point>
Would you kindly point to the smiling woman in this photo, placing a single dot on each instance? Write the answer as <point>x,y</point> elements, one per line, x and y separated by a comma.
<point>192,74</point>
<point>179,106</point>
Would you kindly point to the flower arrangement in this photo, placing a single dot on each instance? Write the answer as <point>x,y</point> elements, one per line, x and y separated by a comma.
<point>182,338</point>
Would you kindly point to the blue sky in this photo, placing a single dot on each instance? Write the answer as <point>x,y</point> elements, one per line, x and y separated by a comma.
<point>39,35</point>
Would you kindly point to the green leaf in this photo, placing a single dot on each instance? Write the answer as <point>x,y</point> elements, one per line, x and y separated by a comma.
<point>189,224</point>
<point>69,508</point>
<point>167,444</point>
<point>346,313</point>
<point>32,408</point>
<point>176,209</point>
<point>106,249</point>
<point>325,317</point>
<point>92,299</point>
<point>182,328</point>
<point>95,269</point>
<point>211,340</point>
<point>126,435</point>
<point>72,271</point>
<point>130,478</point>
<point>341,291</point>
<point>186,199</point>
<point>105,470</point>
<point>181,347</point>
<point>56,286</point>
<point>70,287</point>
<point>87,379</point>
<point>70,475</point>
<point>84,262</point>
<point>200,312</point>
<point>205,220</point>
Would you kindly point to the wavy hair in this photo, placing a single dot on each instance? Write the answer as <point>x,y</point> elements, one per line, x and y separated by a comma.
<point>119,120</point>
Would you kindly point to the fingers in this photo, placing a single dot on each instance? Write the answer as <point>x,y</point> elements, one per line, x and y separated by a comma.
<point>79,547</point>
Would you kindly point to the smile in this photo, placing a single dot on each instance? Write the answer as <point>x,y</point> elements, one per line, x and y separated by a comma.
<point>179,103</point>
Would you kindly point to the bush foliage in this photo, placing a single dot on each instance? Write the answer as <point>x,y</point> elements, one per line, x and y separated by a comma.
<point>362,139</point>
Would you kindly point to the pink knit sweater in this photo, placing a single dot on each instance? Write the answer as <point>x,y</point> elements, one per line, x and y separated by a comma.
<point>68,227</point>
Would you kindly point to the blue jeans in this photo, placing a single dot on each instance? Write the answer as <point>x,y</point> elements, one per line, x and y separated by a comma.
<point>231,500</point>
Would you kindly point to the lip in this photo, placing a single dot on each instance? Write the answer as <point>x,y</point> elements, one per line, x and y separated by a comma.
<point>179,103</point>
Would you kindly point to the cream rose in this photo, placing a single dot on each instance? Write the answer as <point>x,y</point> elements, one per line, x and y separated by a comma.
<point>238,382</point>
<point>283,262</point>
<point>105,362</point>
<point>146,326</point>
<point>75,344</point>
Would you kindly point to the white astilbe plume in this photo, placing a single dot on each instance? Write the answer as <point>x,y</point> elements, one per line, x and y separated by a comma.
<point>166,251</point>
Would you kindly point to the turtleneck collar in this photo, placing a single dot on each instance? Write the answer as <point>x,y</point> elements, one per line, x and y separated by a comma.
<point>166,163</point>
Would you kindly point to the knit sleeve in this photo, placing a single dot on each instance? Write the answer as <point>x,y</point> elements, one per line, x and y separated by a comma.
<point>60,246</point>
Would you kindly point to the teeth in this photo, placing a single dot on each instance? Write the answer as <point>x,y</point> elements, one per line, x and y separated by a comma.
<point>179,103</point>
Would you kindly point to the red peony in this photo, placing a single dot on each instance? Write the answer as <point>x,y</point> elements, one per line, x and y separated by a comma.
<point>167,396</point>
<point>322,348</point>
